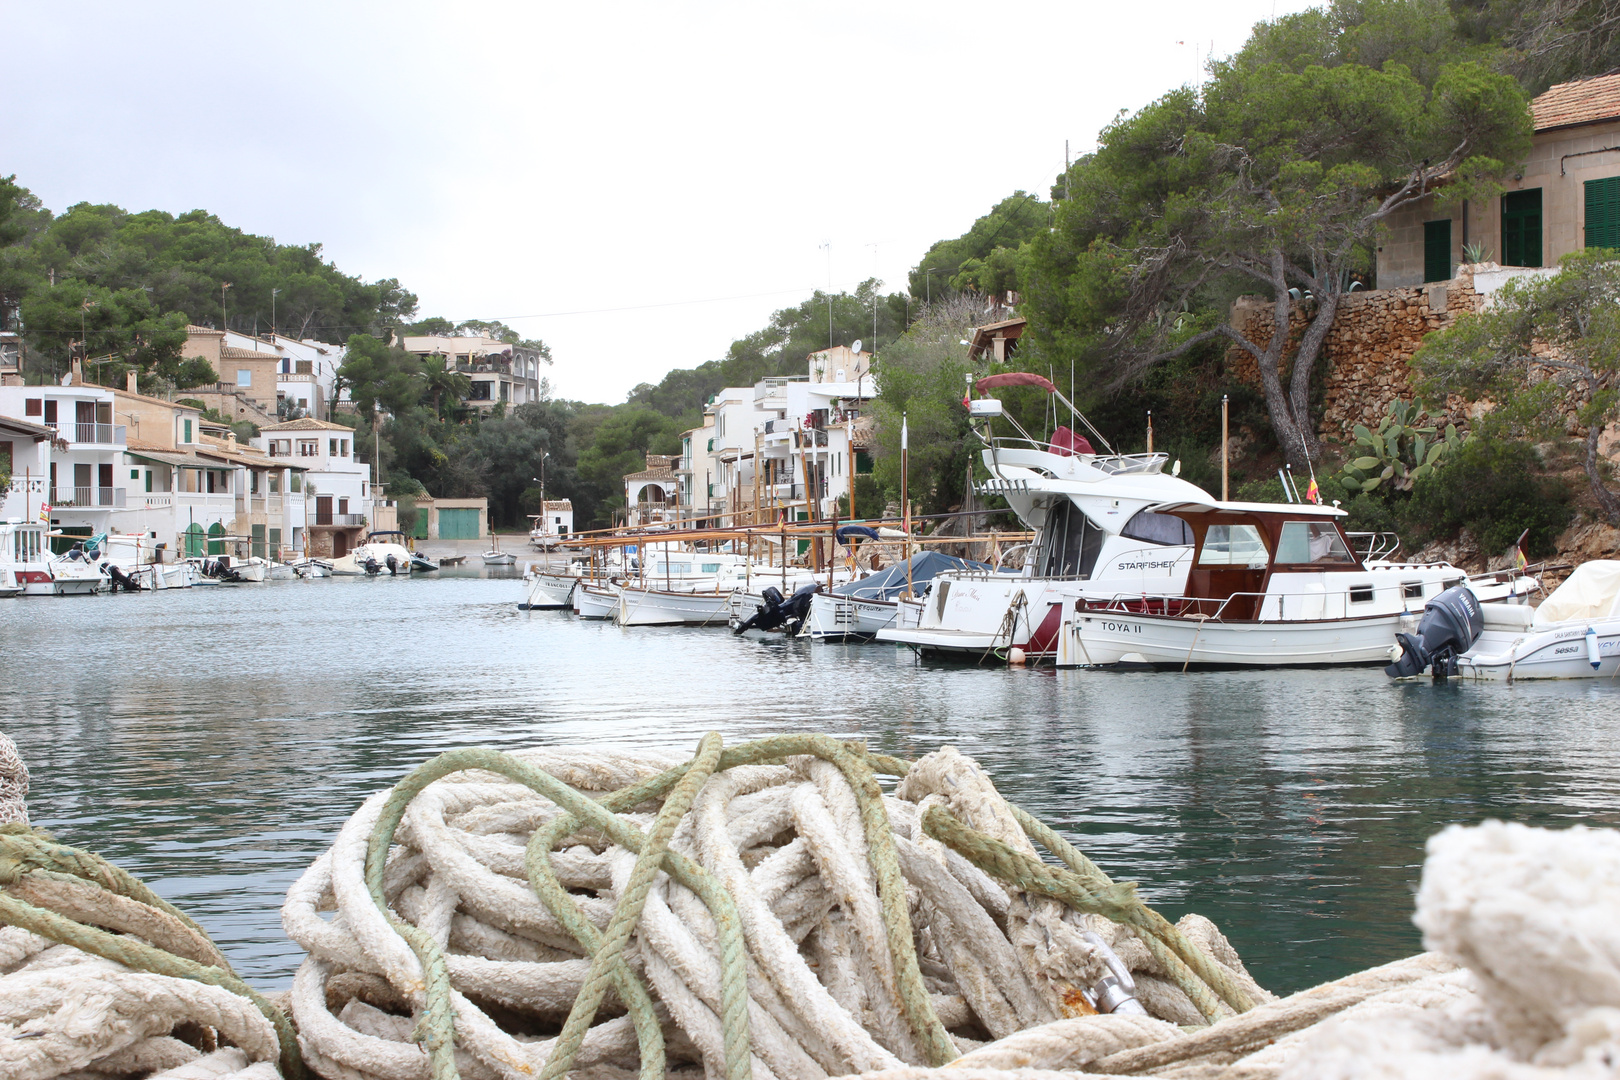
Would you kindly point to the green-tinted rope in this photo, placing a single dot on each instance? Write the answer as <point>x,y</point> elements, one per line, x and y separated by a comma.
<point>1116,902</point>
<point>142,957</point>
<point>607,957</point>
<point>22,850</point>
<point>1150,921</point>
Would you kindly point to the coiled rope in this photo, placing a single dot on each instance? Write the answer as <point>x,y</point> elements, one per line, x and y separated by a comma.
<point>763,909</point>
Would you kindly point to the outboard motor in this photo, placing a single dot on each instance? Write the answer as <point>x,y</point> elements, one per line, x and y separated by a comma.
<point>121,580</point>
<point>371,566</point>
<point>393,565</point>
<point>766,616</point>
<point>797,608</point>
<point>1450,625</point>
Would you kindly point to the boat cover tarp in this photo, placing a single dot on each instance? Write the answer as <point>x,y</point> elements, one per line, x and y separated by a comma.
<point>1015,378</point>
<point>890,582</point>
<point>1591,592</point>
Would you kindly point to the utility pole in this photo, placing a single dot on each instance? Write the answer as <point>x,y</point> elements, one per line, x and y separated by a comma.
<point>222,316</point>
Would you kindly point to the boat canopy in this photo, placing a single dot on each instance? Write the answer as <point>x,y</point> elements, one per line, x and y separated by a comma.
<point>920,569</point>
<point>857,532</point>
<point>1015,378</point>
<point>1591,592</point>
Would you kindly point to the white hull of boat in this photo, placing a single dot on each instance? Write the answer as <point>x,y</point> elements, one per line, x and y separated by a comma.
<point>1558,652</point>
<point>1108,638</point>
<point>654,607</point>
<point>844,618</point>
<point>550,591</point>
<point>595,601</point>
<point>499,558</point>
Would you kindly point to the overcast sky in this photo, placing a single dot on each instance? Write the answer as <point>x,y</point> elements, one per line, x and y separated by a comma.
<point>637,185</point>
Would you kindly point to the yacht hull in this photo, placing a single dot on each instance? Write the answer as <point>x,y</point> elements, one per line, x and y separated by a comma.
<point>1112,638</point>
<point>550,591</point>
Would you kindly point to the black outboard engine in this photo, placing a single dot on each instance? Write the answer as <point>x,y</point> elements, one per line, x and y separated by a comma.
<point>797,608</point>
<point>766,616</point>
<point>121,580</point>
<point>1450,625</point>
<point>393,565</point>
<point>371,567</point>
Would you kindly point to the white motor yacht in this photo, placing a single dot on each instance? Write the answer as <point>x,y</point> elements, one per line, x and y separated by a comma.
<point>25,556</point>
<point>1270,585</point>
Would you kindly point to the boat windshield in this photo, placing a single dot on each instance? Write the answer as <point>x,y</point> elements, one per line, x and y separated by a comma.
<point>1233,545</point>
<point>1158,528</point>
<point>1070,543</point>
<point>1312,542</point>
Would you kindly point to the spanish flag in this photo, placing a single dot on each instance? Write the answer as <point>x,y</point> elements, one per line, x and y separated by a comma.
<point>1312,494</point>
<point>1519,559</point>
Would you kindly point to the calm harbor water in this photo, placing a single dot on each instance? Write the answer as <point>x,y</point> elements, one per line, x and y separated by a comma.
<point>213,740</point>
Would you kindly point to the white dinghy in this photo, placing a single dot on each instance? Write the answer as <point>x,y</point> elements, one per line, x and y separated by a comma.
<point>1574,634</point>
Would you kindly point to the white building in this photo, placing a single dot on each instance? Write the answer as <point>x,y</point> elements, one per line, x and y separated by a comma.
<point>336,487</point>
<point>499,372</point>
<point>555,519</point>
<point>786,446</point>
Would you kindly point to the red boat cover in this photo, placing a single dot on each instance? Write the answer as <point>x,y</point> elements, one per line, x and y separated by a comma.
<point>1015,378</point>
<point>1065,443</point>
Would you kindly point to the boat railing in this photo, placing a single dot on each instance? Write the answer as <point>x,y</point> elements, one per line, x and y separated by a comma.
<point>1112,464</point>
<point>1370,546</point>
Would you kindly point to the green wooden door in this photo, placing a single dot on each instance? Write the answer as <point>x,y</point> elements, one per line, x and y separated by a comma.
<point>258,540</point>
<point>1521,228</point>
<point>1437,250</point>
<point>196,541</point>
<point>458,524</point>
<point>1603,212</point>
<point>216,546</point>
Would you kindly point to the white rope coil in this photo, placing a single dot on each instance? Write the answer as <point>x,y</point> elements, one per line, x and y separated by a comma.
<point>787,844</point>
<point>13,784</point>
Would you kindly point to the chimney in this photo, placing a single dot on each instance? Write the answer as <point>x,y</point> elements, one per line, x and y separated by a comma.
<point>130,383</point>
<point>76,376</point>
<point>230,439</point>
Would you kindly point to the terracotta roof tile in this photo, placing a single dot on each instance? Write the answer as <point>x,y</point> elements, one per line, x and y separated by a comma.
<point>1584,101</point>
<point>308,423</point>
<point>232,352</point>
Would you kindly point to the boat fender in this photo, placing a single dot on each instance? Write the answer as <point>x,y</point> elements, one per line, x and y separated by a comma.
<point>1015,657</point>
<point>1593,655</point>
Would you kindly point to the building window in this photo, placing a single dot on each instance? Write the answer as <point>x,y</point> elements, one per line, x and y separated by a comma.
<point>1521,228</point>
<point>309,448</point>
<point>331,447</point>
<point>188,431</point>
<point>134,474</point>
<point>1603,212</point>
<point>1437,250</point>
<point>33,406</point>
<point>343,506</point>
<point>244,377</point>
<point>343,447</point>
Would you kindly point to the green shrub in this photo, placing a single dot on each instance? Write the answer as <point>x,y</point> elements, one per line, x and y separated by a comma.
<point>1369,513</point>
<point>1495,489</point>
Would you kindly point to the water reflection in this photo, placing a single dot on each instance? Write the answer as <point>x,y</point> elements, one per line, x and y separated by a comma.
<point>213,740</point>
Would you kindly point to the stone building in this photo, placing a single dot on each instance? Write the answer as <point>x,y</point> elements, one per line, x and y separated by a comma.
<point>1564,198</point>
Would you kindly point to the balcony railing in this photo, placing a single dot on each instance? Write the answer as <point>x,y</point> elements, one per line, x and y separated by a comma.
<point>341,521</point>
<point>89,497</point>
<point>97,434</point>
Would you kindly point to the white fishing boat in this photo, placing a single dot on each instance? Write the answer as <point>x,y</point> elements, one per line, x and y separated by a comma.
<point>495,556</point>
<point>1573,634</point>
<point>857,610</point>
<point>1271,585</point>
<point>549,589</point>
<point>9,586</point>
<point>641,606</point>
<point>596,601</point>
<point>139,557</point>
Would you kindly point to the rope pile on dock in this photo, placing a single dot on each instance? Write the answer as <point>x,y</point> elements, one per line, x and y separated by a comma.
<point>100,977</point>
<point>763,910</point>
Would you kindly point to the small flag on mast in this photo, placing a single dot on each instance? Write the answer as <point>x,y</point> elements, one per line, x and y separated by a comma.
<point>1312,493</point>
<point>1519,559</point>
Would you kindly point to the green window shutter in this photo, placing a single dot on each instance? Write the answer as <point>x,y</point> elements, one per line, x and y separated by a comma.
<point>1437,250</point>
<point>1521,228</point>
<point>1603,212</point>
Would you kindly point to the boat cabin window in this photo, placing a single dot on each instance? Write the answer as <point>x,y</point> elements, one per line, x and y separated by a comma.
<point>1070,542</point>
<point>1312,542</point>
<point>1233,545</point>
<point>1158,529</point>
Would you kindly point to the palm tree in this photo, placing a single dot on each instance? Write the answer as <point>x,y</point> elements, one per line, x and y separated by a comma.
<point>443,382</point>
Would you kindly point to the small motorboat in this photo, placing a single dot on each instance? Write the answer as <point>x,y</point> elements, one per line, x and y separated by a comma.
<point>1574,634</point>
<point>380,554</point>
<point>496,557</point>
<point>451,560</point>
<point>421,564</point>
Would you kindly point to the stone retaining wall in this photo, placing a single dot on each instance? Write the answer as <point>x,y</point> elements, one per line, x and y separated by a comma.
<point>1366,358</point>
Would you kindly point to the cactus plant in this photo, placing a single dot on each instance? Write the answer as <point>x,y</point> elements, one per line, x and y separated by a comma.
<point>1403,450</point>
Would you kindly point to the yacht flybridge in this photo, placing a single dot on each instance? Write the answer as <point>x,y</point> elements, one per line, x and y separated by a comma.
<point>1133,566</point>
